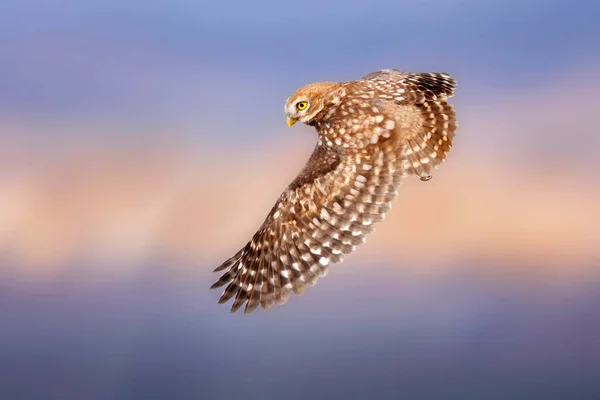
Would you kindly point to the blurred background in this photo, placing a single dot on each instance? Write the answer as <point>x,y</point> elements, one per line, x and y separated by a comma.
<point>143,142</point>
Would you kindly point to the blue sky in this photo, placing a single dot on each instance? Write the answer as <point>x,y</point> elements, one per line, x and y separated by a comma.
<point>171,62</point>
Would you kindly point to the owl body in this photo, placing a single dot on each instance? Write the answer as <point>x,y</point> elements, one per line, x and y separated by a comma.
<point>372,134</point>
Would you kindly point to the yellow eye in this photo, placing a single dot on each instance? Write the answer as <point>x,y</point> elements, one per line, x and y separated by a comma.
<point>302,105</point>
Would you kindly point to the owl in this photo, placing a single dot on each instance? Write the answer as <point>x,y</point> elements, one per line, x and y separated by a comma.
<point>372,133</point>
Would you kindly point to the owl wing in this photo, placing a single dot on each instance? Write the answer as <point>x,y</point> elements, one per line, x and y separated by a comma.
<point>323,214</point>
<point>430,139</point>
<point>415,87</point>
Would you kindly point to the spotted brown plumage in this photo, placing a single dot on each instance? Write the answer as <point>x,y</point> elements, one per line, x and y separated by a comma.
<point>372,133</point>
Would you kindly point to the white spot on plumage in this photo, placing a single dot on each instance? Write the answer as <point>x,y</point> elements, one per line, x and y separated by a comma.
<point>316,230</point>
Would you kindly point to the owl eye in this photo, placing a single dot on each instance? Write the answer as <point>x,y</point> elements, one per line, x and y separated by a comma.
<point>302,105</point>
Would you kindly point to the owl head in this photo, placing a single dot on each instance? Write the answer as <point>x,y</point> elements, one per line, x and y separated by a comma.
<point>307,102</point>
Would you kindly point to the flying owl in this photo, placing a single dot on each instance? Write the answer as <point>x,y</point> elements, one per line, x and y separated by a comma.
<point>372,133</point>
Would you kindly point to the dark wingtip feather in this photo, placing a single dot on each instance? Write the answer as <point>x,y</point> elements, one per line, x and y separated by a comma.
<point>230,261</point>
<point>229,291</point>
<point>239,301</point>
<point>226,277</point>
<point>251,306</point>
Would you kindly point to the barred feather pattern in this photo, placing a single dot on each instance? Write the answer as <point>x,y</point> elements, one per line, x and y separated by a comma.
<point>312,225</point>
<point>372,133</point>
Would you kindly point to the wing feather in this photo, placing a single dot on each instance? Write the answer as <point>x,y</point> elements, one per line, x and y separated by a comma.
<point>373,133</point>
<point>418,86</point>
<point>323,215</point>
<point>343,191</point>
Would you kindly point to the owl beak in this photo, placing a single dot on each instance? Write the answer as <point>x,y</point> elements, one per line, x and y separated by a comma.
<point>290,121</point>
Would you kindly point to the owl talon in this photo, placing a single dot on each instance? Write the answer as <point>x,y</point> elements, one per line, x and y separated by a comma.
<point>426,178</point>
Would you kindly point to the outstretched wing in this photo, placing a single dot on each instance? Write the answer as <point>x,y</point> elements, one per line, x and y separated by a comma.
<point>377,130</point>
<point>429,141</point>
<point>325,212</point>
